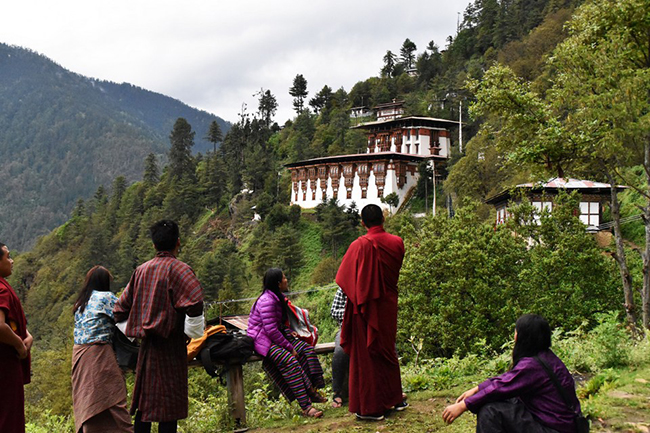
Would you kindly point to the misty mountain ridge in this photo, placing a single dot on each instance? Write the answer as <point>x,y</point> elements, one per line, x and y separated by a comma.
<point>62,135</point>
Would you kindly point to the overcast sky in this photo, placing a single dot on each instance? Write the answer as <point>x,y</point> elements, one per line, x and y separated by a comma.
<point>214,55</point>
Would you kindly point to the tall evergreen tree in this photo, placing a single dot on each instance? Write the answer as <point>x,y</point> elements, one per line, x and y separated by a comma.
<point>407,53</point>
<point>389,64</point>
<point>180,153</point>
<point>214,135</point>
<point>322,99</point>
<point>268,106</point>
<point>299,92</point>
<point>151,174</point>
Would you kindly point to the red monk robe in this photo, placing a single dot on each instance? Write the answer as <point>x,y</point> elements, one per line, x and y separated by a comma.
<point>14,373</point>
<point>368,275</point>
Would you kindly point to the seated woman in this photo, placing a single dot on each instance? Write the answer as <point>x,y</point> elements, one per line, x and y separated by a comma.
<point>290,362</point>
<point>523,399</point>
<point>98,388</point>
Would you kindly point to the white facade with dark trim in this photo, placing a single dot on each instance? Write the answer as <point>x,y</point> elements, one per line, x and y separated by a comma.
<point>390,165</point>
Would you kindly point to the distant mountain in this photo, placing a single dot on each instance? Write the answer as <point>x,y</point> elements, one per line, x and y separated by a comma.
<point>62,135</point>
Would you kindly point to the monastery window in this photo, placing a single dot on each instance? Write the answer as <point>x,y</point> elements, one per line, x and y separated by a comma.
<point>313,194</point>
<point>362,169</point>
<point>334,171</point>
<point>304,195</point>
<point>541,206</point>
<point>347,170</point>
<point>417,134</point>
<point>349,195</point>
<point>364,193</point>
<point>322,171</point>
<point>417,149</point>
<point>435,138</point>
<point>379,168</point>
<point>380,192</point>
<point>408,134</point>
<point>590,213</point>
<point>335,194</point>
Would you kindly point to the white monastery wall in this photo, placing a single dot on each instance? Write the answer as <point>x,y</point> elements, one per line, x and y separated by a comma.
<point>314,195</point>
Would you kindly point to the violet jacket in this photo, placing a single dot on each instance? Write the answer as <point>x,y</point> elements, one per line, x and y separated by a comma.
<point>265,322</point>
<point>529,382</point>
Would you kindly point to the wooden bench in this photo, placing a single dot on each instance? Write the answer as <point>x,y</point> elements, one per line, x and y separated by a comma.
<point>235,373</point>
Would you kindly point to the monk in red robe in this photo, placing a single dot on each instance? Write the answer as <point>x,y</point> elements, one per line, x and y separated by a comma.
<point>15,344</point>
<point>368,275</point>
<point>161,300</point>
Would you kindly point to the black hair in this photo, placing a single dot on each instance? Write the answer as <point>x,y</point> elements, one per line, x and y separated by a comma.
<point>164,235</point>
<point>533,337</point>
<point>98,278</point>
<point>272,280</point>
<point>372,215</point>
<point>2,252</point>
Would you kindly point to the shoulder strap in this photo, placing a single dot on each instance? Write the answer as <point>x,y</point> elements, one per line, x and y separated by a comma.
<point>556,382</point>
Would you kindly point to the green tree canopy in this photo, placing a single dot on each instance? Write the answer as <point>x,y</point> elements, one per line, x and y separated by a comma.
<point>299,92</point>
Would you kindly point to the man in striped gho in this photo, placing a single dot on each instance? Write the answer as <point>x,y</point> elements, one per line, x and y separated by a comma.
<point>162,303</point>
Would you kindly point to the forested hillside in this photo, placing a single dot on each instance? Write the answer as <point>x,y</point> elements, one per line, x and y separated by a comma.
<point>62,135</point>
<point>464,281</point>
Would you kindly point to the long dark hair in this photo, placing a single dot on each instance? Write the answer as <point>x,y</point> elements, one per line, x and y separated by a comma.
<point>272,279</point>
<point>533,337</point>
<point>98,278</point>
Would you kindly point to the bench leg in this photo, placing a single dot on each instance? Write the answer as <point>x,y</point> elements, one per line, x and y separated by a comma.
<point>235,383</point>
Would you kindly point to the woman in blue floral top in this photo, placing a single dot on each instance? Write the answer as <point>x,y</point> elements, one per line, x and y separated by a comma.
<point>98,388</point>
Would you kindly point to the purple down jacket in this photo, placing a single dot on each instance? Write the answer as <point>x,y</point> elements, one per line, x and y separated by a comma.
<point>265,322</point>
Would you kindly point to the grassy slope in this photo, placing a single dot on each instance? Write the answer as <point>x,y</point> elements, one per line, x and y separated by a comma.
<point>621,406</point>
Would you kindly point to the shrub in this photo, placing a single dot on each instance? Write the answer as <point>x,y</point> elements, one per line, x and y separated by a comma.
<point>325,271</point>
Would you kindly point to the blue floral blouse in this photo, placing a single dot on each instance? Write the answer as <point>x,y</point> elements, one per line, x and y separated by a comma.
<point>96,323</point>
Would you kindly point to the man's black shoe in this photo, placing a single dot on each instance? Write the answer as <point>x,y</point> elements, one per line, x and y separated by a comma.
<point>401,406</point>
<point>369,417</point>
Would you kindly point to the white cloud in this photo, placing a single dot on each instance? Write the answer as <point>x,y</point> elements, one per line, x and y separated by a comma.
<point>215,55</point>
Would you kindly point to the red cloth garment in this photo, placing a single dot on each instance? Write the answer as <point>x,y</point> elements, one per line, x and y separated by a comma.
<point>368,276</point>
<point>14,373</point>
<point>155,301</point>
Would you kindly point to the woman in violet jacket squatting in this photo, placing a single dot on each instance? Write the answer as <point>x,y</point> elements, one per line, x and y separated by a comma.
<point>523,399</point>
<point>290,362</point>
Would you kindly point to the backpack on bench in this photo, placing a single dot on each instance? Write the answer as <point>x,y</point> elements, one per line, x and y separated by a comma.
<point>225,348</point>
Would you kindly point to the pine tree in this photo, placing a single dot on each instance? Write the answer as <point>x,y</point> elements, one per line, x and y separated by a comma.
<point>214,134</point>
<point>268,106</point>
<point>299,92</point>
<point>180,153</point>
<point>407,53</point>
<point>151,175</point>
<point>322,100</point>
<point>389,64</point>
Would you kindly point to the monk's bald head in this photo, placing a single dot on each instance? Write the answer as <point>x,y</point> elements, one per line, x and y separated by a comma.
<point>372,215</point>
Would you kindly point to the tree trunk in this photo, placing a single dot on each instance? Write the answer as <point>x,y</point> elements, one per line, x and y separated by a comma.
<point>626,277</point>
<point>645,290</point>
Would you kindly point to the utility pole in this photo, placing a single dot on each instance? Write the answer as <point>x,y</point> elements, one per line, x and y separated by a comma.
<point>460,126</point>
<point>434,188</point>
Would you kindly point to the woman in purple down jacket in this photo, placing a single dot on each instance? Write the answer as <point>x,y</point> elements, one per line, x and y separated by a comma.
<point>291,363</point>
<point>524,398</point>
